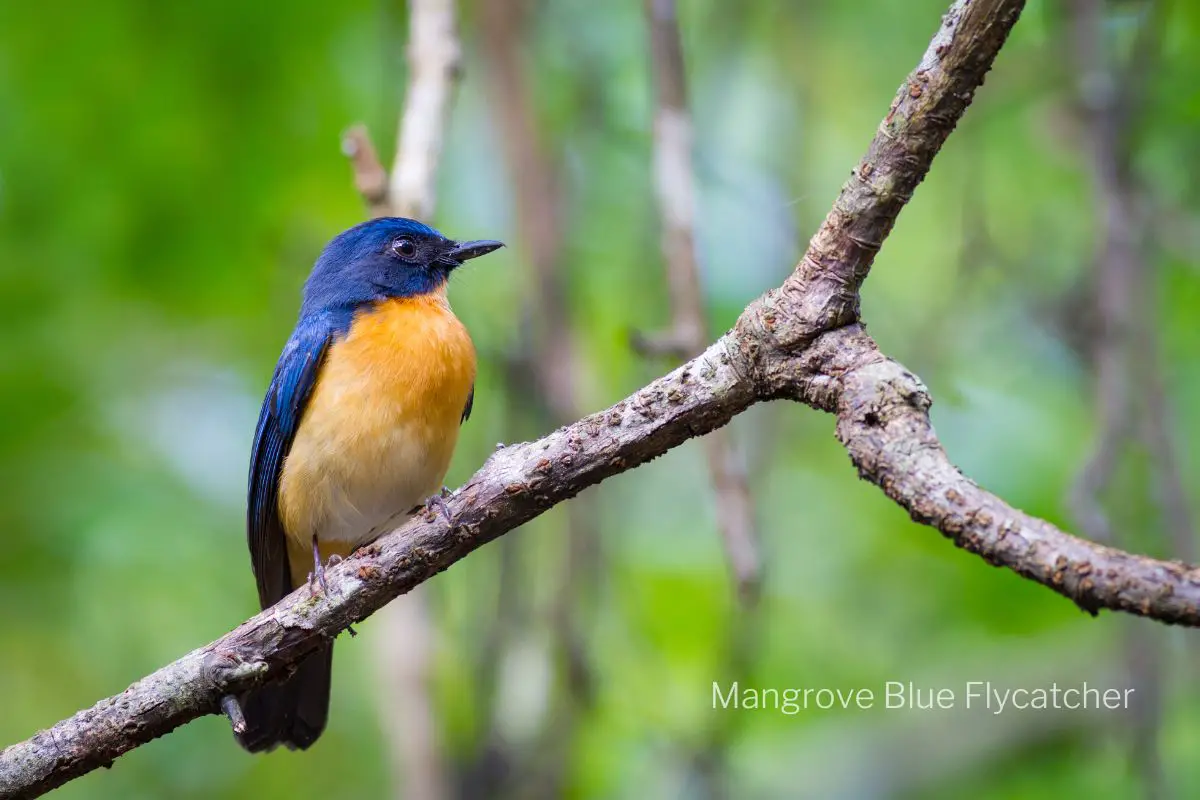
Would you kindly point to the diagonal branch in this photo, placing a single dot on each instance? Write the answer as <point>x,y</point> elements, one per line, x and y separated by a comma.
<point>822,292</point>
<point>516,484</point>
<point>801,341</point>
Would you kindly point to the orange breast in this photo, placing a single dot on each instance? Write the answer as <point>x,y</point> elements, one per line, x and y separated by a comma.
<point>380,426</point>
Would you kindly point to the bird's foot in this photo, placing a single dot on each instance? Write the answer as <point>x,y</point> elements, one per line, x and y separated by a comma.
<point>317,576</point>
<point>438,503</point>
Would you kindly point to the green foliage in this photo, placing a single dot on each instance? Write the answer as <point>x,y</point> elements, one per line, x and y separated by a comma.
<point>168,172</point>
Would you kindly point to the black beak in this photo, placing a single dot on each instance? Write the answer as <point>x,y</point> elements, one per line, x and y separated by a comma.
<point>468,250</point>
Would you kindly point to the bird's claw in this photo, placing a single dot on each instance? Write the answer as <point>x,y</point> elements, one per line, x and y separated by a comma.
<point>317,576</point>
<point>333,561</point>
<point>316,579</point>
<point>438,503</point>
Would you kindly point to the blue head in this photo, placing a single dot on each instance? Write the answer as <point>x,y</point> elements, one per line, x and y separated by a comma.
<point>383,258</point>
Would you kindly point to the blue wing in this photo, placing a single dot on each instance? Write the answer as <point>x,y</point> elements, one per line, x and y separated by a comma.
<point>282,409</point>
<point>466,415</point>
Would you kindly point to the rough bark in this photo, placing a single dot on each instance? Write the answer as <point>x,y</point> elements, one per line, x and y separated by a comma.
<point>801,341</point>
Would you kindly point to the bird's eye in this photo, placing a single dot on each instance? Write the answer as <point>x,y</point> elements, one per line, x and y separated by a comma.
<point>404,247</point>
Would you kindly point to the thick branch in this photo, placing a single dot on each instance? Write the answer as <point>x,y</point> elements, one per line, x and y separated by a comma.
<point>883,422</point>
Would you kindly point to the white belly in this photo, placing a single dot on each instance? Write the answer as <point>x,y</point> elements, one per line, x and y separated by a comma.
<point>384,482</point>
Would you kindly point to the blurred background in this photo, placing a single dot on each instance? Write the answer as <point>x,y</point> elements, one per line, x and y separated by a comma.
<point>169,172</point>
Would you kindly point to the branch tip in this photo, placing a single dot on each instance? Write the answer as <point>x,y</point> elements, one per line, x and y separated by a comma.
<point>232,708</point>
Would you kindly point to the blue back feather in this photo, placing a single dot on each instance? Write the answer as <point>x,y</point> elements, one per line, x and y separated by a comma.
<point>278,421</point>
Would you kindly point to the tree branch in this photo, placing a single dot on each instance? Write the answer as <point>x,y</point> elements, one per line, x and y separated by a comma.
<point>675,188</point>
<point>549,358</point>
<point>434,59</point>
<point>1117,287</point>
<point>406,645</point>
<point>370,176</point>
<point>516,484</point>
<point>801,341</point>
<point>883,422</point>
<point>1122,348</point>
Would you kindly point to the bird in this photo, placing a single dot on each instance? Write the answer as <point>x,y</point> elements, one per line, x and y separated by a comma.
<point>357,428</point>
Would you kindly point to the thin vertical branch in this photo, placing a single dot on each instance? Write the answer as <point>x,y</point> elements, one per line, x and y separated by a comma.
<point>434,61</point>
<point>370,176</point>
<point>407,642</point>
<point>549,359</point>
<point>1123,349</point>
<point>675,189</point>
<point>1159,441</point>
<point>676,194</point>
<point>1117,286</point>
<point>405,647</point>
<point>1157,416</point>
<point>538,205</point>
